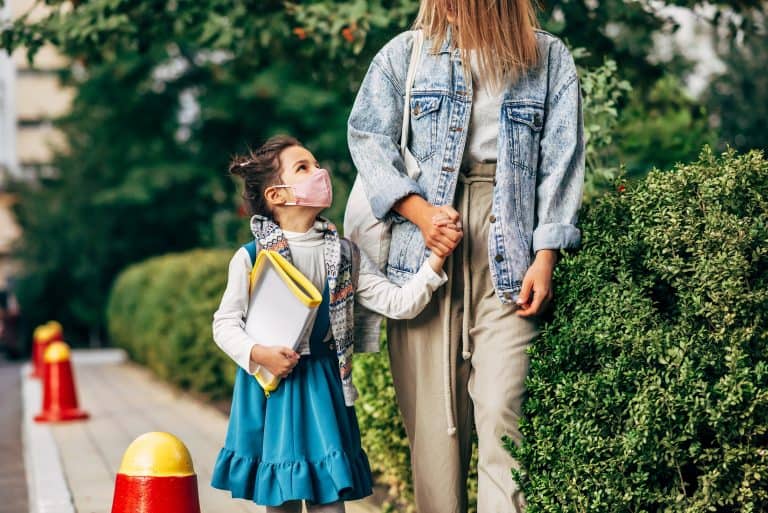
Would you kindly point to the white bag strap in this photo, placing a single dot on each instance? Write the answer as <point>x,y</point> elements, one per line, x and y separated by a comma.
<point>413,65</point>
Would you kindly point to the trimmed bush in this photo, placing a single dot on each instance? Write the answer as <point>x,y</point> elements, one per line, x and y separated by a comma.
<point>161,310</point>
<point>648,390</point>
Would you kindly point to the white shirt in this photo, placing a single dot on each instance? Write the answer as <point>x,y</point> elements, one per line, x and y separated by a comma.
<point>374,291</point>
<point>483,132</point>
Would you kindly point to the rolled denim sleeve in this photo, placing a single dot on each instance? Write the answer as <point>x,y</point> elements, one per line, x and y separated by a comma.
<point>374,128</point>
<point>560,178</point>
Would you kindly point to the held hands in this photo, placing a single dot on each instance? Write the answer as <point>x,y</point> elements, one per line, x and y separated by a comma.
<point>279,361</point>
<point>448,226</point>
<point>441,228</point>
<point>536,293</point>
<point>442,240</point>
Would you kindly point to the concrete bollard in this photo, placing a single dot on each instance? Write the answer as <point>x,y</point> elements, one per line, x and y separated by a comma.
<point>156,476</point>
<point>59,395</point>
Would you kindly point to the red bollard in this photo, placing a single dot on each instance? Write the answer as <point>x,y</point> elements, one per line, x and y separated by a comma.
<point>59,395</point>
<point>156,476</point>
<point>57,331</point>
<point>40,339</point>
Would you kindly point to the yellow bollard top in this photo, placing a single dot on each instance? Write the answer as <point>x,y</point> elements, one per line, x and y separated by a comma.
<point>56,352</point>
<point>55,330</point>
<point>55,324</point>
<point>42,333</point>
<point>37,332</point>
<point>157,454</point>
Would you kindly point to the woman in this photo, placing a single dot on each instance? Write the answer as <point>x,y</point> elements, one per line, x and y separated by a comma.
<point>496,128</point>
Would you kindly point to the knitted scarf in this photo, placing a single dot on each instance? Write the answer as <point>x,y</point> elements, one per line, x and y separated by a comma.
<point>342,281</point>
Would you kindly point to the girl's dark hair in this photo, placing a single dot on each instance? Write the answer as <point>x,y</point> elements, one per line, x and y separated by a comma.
<point>259,170</point>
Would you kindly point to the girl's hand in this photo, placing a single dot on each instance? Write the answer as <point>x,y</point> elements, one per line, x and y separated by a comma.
<point>279,361</point>
<point>447,222</point>
<point>537,280</point>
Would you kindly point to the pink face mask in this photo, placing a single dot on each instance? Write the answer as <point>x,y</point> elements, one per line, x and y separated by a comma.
<point>315,191</point>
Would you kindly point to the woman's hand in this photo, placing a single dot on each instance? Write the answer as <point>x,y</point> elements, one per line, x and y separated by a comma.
<point>537,283</point>
<point>440,239</point>
<point>279,361</point>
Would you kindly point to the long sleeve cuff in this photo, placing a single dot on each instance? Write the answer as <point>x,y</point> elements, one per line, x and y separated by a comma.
<point>396,190</point>
<point>556,236</point>
<point>429,277</point>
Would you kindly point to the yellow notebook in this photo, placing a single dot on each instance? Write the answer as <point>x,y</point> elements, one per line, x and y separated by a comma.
<point>282,308</point>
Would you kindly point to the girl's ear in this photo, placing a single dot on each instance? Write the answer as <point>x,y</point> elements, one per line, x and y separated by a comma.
<point>275,196</point>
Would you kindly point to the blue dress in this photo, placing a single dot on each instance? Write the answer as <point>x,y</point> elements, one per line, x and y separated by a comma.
<point>302,442</point>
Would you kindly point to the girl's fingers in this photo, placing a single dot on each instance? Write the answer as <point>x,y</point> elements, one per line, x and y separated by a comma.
<point>450,212</point>
<point>440,249</point>
<point>448,235</point>
<point>446,241</point>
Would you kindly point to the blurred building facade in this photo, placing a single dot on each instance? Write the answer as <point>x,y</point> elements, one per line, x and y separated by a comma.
<point>30,98</point>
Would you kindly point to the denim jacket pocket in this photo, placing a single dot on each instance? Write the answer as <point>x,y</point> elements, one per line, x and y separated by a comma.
<point>525,123</point>
<point>406,249</point>
<point>425,110</point>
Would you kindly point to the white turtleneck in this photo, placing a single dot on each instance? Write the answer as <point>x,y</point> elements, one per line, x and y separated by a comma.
<point>374,292</point>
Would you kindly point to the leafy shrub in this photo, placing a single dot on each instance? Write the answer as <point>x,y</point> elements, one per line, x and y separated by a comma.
<point>648,390</point>
<point>383,432</point>
<point>161,310</point>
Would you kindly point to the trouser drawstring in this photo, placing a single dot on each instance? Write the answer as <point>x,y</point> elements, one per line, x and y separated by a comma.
<point>466,352</point>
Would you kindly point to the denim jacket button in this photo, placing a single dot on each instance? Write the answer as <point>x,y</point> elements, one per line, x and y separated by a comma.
<point>537,119</point>
<point>492,219</point>
<point>499,258</point>
<point>508,296</point>
<point>449,169</point>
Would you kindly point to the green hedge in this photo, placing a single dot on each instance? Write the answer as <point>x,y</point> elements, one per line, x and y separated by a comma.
<point>160,311</point>
<point>648,391</point>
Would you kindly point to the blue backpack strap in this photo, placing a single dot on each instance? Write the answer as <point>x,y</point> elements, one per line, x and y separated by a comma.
<point>251,249</point>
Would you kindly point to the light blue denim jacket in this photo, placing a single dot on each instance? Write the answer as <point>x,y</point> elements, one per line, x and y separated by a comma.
<point>540,163</point>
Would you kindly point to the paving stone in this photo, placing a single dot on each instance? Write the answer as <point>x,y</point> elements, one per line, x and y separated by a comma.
<point>13,482</point>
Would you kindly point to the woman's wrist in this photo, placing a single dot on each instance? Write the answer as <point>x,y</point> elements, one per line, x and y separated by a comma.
<point>414,208</point>
<point>548,256</point>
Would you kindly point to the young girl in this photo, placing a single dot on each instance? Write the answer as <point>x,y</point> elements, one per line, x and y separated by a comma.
<point>303,442</point>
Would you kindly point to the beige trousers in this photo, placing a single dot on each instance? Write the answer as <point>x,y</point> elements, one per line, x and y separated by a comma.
<point>486,385</point>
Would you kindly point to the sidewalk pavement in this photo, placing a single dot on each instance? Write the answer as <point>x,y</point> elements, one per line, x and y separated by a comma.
<point>71,467</point>
<point>13,486</point>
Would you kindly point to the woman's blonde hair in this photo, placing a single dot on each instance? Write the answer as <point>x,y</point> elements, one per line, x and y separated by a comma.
<point>501,32</point>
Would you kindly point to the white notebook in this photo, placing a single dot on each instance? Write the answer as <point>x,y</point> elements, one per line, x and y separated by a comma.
<point>282,308</point>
